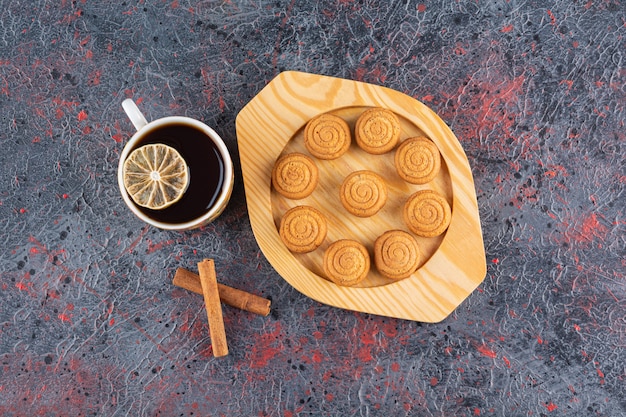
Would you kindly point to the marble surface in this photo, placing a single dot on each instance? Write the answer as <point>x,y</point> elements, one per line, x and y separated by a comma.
<point>89,321</point>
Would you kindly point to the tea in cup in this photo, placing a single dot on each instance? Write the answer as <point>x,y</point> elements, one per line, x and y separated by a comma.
<point>175,172</point>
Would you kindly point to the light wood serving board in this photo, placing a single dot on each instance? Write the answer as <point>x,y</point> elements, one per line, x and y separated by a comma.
<point>451,265</point>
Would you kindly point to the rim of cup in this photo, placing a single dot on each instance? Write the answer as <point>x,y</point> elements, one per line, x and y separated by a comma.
<point>225,191</point>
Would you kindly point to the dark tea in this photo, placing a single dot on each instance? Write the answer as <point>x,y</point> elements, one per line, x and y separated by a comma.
<point>206,172</point>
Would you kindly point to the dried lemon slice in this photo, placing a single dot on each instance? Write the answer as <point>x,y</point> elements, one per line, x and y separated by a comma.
<point>155,176</point>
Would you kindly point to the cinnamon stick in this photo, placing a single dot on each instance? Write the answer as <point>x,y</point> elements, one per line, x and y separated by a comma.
<point>208,280</point>
<point>228,295</point>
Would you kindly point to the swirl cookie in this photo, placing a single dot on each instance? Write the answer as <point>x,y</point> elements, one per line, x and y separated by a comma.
<point>363,193</point>
<point>295,176</point>
<point>417,160</point>
<point>303,229</point>
<point>377,131</point>
<point>396,254</point>
<point>346,262</point>
<point>427,214</point>
<point>327,136</point>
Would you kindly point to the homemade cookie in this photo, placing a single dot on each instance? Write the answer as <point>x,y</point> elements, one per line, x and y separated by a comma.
<point>327,136</point>
<point>417,160</point>
<point>303,229</point>
<point>363,193</point>
<point>295,176</point>
<point>396,254</point>
<point>377,131</point>
<point>427,214</point>
<point>346,262</point>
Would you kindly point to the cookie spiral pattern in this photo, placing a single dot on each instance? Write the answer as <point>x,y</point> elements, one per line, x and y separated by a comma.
<point>346,262</point>
<point>327,136</point>
<point>363,193</point>
<point>427,213</point>
<point>396,254</point>
<point>377,131</point>
<point>417,160</point>
<point>303,229</point>
<point>295,176</point>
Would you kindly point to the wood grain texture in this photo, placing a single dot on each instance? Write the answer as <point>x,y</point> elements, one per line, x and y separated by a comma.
<point>451,265</point>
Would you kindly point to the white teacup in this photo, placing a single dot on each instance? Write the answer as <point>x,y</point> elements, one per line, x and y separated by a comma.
<point>210,166</point>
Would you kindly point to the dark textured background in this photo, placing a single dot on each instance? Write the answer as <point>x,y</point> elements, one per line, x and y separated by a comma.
<point>89,322</point>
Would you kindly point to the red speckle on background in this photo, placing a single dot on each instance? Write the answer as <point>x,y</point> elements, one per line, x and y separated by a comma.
<point>486,351</point>
<point>65,318</point>
<point>507,29</point>
<point>421,8</point>
<point>53,295</point>
<point>368,338</point>
<point>82,115</point>
<point>317,356</point>
<point>390,329</point>
<point>364,355</point>
<point>551,406</point>
<point>568,83</point>
<point>85,41</point>
<point>94,77</point>
<point>500,91</point>
<point>118,137</point>
<point>360,72</point>
<point>154,247</point>
<point>434,381</point>
<point>264,348</point>
<point>589,229</point>
<point>552,18</point>
<point>592,227</point>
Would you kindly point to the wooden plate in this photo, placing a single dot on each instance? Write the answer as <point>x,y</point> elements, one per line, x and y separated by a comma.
<point>452,265</point>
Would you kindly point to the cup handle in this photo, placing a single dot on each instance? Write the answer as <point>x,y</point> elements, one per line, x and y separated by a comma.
<point>134,114</point>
